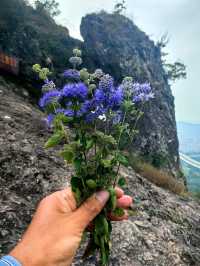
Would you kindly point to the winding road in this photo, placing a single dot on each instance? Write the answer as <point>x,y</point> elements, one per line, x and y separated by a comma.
<point>189,160</point>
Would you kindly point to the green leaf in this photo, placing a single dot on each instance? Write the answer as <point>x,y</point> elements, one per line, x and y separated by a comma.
<point>84,75</point>
<point>77,193</point>
<point>67,153</point>
<point>128,105</point>
<point>106,163</point>
<point>91,183</point>
<point>55,139</point>
<point>118,212</point>
<point>122,159</point>
<point>101,228</point>
<point>112,203</point>
<point>103,139</point>
<point>77,164</point>
<point>105,226</point>
<point>89,144</point>
<point>62,118</point>
<point>75,183</point>
<point>36,68</point>
<point>96,239</point>
<point>122,182</point>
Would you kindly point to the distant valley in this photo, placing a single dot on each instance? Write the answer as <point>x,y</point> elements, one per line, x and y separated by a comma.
<point>189,141</point>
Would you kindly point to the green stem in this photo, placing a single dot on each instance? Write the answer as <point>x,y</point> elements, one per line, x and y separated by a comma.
<point>119,139</point>
<point>95,150</point>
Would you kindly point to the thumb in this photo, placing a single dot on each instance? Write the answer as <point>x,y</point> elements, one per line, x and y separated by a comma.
<point>90,208</point>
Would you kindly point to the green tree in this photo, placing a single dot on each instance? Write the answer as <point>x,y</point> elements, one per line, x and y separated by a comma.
<point>49,6</point>
<point>120,7</point>
<point>173,71</point>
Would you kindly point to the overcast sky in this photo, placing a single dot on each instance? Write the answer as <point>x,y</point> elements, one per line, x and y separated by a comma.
<point>180,18</point>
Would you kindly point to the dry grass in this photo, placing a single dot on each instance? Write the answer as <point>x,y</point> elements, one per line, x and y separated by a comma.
<point>161,178</point>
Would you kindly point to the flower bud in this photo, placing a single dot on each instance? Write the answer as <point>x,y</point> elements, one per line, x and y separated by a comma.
<point>84,74</point>
<point>75,60</point>
<point>91,183</point>
<point>77,52</point>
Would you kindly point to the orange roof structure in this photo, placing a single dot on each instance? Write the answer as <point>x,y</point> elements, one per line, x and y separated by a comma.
<point>9,63</point>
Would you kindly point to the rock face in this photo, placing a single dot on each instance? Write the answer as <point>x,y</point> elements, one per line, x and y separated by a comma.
<point>33,37</point>
<point>116,45</point>
<point>27,172</point>
<point>164,232</point>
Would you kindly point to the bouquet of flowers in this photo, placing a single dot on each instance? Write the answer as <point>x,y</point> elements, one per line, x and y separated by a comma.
<point>90,117</point>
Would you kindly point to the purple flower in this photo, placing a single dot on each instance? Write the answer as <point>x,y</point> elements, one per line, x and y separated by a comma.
<point>59,110</point>
<point>98,73</point>
<point>86,107</point>
<point>50,119</point>
<point>116,98</point>
<point>106,83</point>
<point>49,85</point>
<point>77,91</point>
<point>67,112</point>
<point>141,88</point>
<point>142,92</point>
<point>49,97</point>
<point>117,118</point>
<point>90,117</point>
<point>72,74</point>
<point>99,96</point>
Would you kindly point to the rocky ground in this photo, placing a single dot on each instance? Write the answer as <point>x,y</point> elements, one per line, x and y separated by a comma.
<point>165,231</point>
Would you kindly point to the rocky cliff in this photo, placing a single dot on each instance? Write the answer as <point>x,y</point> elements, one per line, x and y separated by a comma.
<point>165,231</point>
<point>116,44</point>
<point>112,42</point>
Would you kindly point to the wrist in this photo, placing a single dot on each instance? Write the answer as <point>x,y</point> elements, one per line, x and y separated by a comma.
<point>26,256</point>
<point>9,260</point>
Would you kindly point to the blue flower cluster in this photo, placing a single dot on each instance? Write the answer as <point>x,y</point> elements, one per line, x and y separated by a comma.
<point>49,85</point>
<point>49,97</point>
<point>142,92</point>
<point>106,83</point>
<point>74,100</point>
<point>72,74</point>
<point>107,95</point>
<point>136,91</point>
<point>75,91</point>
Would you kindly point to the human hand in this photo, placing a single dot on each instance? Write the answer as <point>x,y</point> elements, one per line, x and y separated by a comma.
<point>55,232</point>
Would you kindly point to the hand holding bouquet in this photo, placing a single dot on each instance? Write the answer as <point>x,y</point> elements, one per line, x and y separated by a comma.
<point>92,118</point>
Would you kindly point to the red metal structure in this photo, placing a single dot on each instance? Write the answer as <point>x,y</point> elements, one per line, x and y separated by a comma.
<point>9,63</point>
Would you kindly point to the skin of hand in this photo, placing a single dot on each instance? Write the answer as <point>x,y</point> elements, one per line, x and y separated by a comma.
<point>55,232</point>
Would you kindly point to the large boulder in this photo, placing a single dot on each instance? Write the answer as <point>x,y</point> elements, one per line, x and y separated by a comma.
<point>115,44</point>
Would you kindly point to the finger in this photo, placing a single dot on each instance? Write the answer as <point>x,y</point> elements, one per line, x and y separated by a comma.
<point>119,192</point>
<point>124,202</point>
<point>89,209</point>
<point>113,217</point>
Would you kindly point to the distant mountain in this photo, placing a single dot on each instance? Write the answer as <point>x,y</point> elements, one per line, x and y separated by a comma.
<point>189,137</point>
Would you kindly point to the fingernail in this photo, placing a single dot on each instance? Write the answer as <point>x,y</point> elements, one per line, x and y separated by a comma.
<point>102,196</point>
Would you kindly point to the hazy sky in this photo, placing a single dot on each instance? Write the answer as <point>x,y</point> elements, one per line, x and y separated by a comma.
<point>180,18</point>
